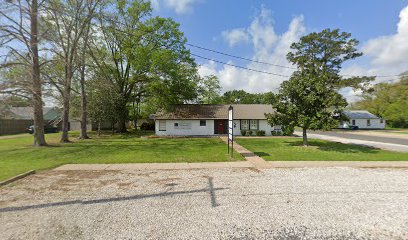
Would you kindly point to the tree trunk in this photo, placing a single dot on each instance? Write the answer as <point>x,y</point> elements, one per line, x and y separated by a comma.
<point>39,139</point>
<point>123,114</point>
<point>134,115</point>
<point>305,144</point>
<point>66,102</point>
<point>99,128</point>
<point>84,113</point>
<point>137,114</point>
<point>122,126</point>
<point>84,110</point>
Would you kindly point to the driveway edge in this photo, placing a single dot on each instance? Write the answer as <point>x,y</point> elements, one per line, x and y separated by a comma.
<point>15,178</point>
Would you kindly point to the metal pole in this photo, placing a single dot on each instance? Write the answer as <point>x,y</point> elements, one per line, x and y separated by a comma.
<point>232,135</point>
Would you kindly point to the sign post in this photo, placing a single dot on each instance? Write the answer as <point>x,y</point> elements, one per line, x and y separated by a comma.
<point>231,129</point>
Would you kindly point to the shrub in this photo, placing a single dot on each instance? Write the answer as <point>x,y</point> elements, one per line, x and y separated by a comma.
<point>249,132</point>
<point>273,133</point>
<point>278,133</point>
<point>147,126</point>
<point>288,130</point>
<point>243,132</point>
<point>260,133</point>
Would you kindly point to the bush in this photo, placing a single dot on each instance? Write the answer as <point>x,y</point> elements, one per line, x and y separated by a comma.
<point>288,130</point>
<point>249,133</point>
<point>147,126</point>
<point>260,133</point>
<point>273,133</point>
<point>398,123</point>
<point>243,132</point>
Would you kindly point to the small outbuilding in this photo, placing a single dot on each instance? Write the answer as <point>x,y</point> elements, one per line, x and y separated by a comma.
<point>363,120</point>
<point>212,119</point>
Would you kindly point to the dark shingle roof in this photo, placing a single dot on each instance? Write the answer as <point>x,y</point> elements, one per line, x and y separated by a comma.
<point>213,111</point>
<point>360,115</point>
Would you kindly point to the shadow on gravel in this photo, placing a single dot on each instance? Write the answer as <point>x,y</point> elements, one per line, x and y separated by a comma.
<point>336,147</point>
<point>211,190</point>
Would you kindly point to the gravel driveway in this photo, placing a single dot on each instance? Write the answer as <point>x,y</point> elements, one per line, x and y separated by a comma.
<point>299,203</point>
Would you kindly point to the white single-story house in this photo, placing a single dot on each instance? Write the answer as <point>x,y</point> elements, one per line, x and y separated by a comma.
<point>363,120</point>
<point>211,119</point>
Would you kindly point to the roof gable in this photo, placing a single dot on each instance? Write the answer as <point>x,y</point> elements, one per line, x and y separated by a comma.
<point>360,115</point>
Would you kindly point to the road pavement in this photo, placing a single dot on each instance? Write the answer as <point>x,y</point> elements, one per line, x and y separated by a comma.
<point>356,135</point>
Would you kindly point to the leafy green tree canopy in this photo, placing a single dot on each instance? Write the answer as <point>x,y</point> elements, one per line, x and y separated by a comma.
<point>310,98</point>
<point>387,100</point>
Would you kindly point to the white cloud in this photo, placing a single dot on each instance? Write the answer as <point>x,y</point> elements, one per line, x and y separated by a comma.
<point>268,46</point>
<point>155,5</point>
<point>181,6</point>
<point>386,55</point>
<point>235,36</point>
<point>390,52</point>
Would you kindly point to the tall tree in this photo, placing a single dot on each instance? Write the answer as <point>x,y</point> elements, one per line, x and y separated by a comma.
<point>310,98</point>
<point>68,22</point>
<point>143,56</point>
<point>243,97</point>
<point>387,100</point>
<point>16,33</point>
<point>209,90</point>
<point>82,72</point>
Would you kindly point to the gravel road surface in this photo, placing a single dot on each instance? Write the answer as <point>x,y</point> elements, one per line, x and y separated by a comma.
<point>297,203</point>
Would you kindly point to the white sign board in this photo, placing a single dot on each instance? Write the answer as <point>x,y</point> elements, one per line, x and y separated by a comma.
<point>230,123</point>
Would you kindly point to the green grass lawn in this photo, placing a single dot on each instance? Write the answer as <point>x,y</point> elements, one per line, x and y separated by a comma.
<point>17,154</point>
<point>400,132</point>
<point>291,149</point>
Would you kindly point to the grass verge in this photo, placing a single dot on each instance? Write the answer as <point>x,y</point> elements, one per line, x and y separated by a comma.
<point>291,149</point>
<point>18,155</point>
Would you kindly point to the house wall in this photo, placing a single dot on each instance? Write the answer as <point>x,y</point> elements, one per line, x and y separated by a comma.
<point>196,129</point>
<point>262,125</point>
<point>75,125</point>
<point>362,124</point>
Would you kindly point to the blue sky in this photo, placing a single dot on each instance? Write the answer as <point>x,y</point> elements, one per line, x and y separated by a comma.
<point>365,19</point>
<point>263,31</point>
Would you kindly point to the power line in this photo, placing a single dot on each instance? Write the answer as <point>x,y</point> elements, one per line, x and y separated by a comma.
<point>251,60</point>
<point>238,57</point>
<point>249,69</point>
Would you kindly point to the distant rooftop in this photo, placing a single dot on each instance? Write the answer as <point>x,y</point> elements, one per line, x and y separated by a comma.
<point>27,113</point>
<point>361,114</point>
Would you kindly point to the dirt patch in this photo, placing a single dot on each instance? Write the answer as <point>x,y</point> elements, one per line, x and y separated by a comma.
<point>166,181</point>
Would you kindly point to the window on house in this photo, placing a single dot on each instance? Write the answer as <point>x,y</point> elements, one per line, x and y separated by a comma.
<point>253,124</point>
<point>353,122</point>
<point>381,120</point>
<point>162,125</point>
<point>176,125</point>
<point>203,123</point>
<point>368,122</point>
<point>244,124</point>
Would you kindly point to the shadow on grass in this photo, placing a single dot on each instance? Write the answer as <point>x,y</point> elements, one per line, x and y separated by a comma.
<point>262,154</point>
<point>336,147</point>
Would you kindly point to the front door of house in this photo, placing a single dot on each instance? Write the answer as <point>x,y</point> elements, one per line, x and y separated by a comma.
<point>220,127</point>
